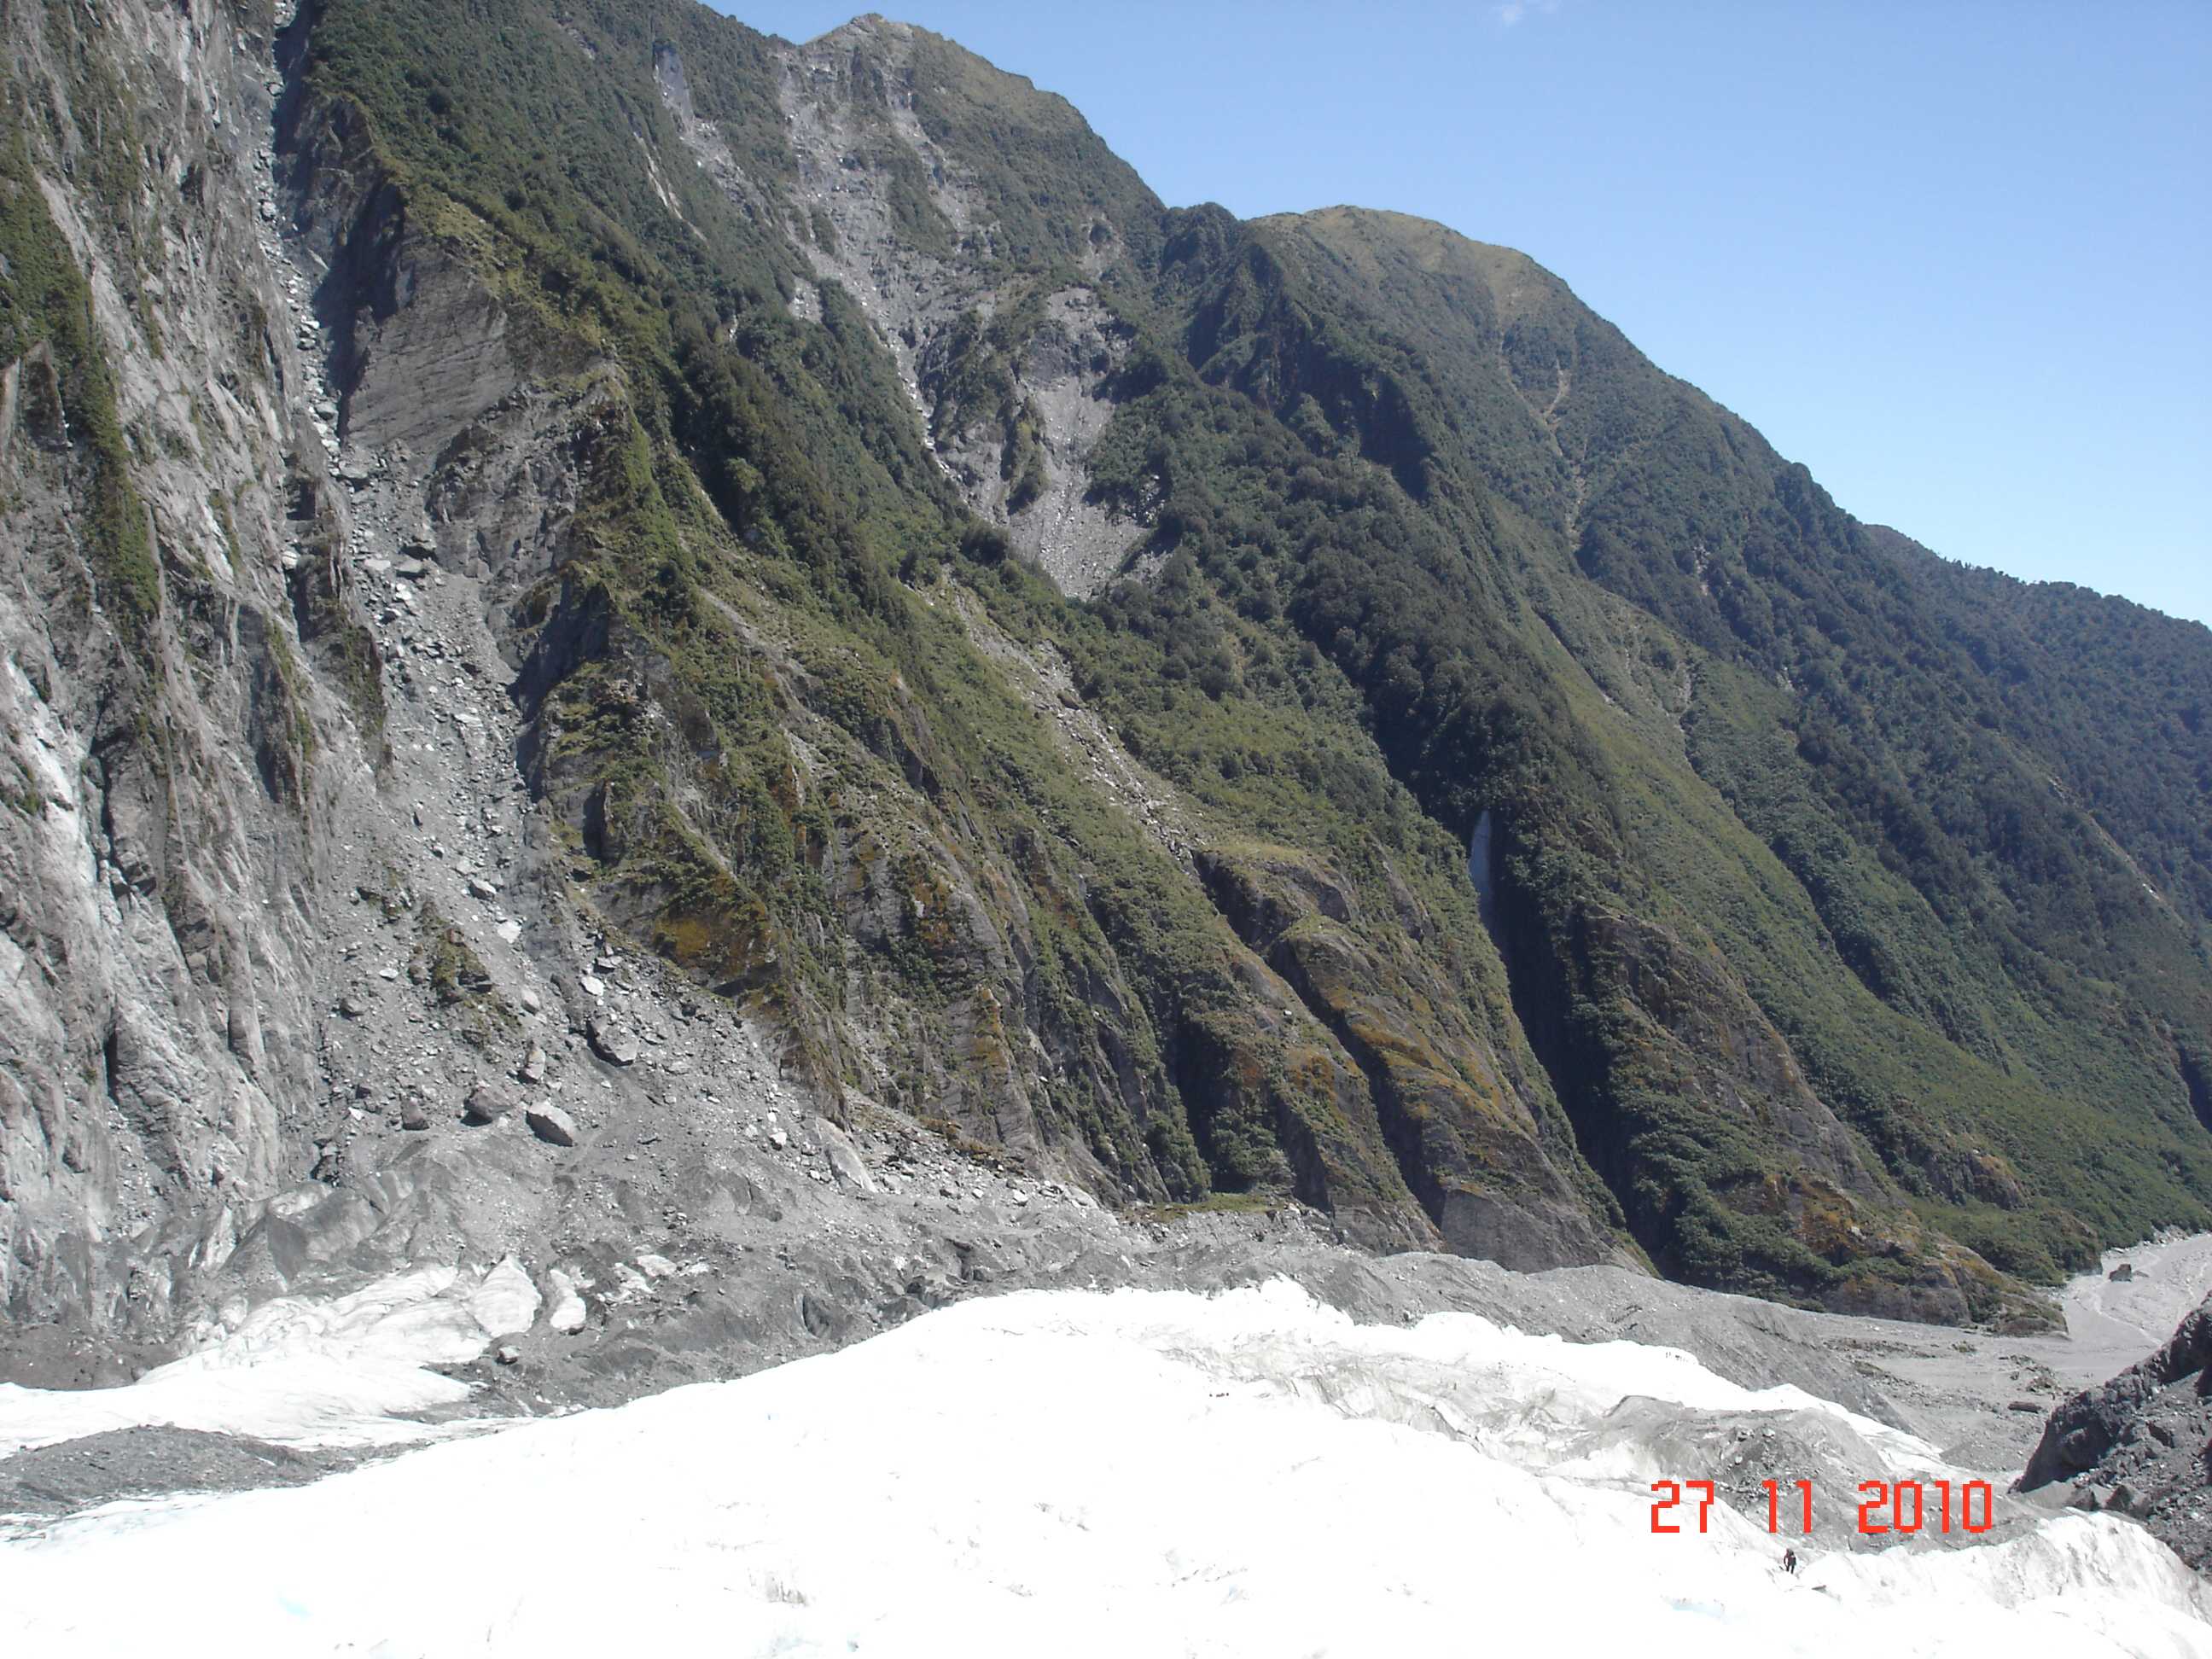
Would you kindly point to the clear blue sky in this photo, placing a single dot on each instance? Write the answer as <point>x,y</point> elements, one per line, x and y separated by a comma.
<point>1954,256</point>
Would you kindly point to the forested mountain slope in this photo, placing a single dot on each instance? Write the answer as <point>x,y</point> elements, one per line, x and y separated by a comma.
<point>1040,659</point>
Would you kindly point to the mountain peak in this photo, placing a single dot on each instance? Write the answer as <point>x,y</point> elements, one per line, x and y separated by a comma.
<point>868,25</point>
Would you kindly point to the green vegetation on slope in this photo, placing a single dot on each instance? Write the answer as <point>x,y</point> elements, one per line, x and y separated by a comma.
<point>46,324</point>
<point>1940,942</point>
<point>1851,911</point>
<point>763,714</point>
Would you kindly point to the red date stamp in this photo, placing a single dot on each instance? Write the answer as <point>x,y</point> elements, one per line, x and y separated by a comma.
<point>1885,1506</point>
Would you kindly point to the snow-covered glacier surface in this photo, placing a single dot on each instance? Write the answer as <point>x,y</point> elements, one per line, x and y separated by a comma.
<point>1139,1473</point>
<point>300,1371</point>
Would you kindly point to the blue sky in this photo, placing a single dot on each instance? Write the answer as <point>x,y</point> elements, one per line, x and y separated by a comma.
<point>1956,257</point>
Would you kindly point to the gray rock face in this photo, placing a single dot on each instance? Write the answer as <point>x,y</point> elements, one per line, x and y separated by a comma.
<point>2142,1445</point>
<point>847,1167</point>
<point>161,996</point>
<point>853,150</point>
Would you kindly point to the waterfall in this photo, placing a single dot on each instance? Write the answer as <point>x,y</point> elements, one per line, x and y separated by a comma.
<point>1479,868</point>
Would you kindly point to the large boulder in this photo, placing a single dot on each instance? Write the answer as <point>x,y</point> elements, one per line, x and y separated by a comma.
<point>488,1102</point>
<point>847,1167</point>
<point>567,1312</point>
<point>611,1044</point>
<point>506,1303</point>
<point>552,1124</point>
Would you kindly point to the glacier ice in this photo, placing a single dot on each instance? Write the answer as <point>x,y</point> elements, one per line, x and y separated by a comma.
<point>1073,1473</point>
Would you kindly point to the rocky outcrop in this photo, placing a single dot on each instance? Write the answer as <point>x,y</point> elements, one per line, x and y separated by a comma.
<point>1483,1147</point>
<point>2142,1445</point>
<point>1012,377</point>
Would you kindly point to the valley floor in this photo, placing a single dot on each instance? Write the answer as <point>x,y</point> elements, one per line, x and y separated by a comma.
<point>1962,1389</point>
